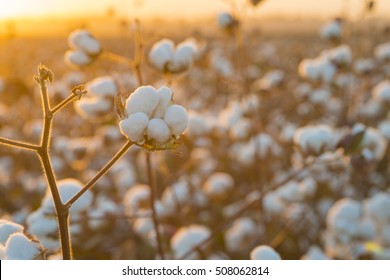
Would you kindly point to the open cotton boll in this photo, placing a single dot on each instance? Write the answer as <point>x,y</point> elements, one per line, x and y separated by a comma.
<point>341,55</point>
<point>187,238</point>
<point>77,58</point>
<point>222,65</point>
<point>332,30</point>
<point>266,146</point>
<point>290,192</point>
<point>382,52</point>
<point>264,252</point>
<point>67,189</point>
<point>374,143</point>
<point>134,126</point>
<point>315,253</point>
<point>136,199</point>
<point>381,92</point>
<point>218,184</point>
<point>19,247</point>
<point>41,223</point>
<point>226,20</point>
<point>270,80</point>
<point>378,207</point>
<point>144,99</point>
<point>183,58</point>
<point>164,100</point>
<point>343,217</point>
<point>93,107</point>
<point>83,40</point>
<point>240,235</point>
<point>162,54</point>
<point>158,131</point>
<point>7,228</point>
<point>384,127</point>
<point>176,118</point>
<point>273,204</point>
<point>313,140</point>
<point>364,65</point>
<point>102,87</point>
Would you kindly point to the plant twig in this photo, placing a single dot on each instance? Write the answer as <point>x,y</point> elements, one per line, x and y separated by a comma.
<point>18,144</point>
<point>100,174</point>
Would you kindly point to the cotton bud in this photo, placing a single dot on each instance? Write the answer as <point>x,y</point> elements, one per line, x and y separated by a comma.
<point>264,252</point>
<point>165,57</point>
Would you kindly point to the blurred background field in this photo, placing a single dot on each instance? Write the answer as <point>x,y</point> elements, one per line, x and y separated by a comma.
<point>247,96</point>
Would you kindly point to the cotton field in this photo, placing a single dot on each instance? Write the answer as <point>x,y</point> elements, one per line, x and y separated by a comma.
<point>222,142</point>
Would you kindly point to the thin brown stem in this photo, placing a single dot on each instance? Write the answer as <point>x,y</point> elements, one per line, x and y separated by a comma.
<point>117,58</point>
<point>18,144</point>
<point>152,185</point>
<point>100,174</point>
<point>64,102</point>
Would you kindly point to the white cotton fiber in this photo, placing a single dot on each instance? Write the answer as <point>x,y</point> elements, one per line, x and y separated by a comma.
<point>164,100</point>
<point>7,228</point>
<point>76,58</point>
<point>177,119</point>
<point>19,247</point>
<point>264,252</point>
<point>158,130</point>
<point>143,99</point>
<point>162,54</point>
<point>134,126</point>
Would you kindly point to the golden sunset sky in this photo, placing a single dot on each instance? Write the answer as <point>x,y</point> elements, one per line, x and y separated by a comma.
<point>11,9</point>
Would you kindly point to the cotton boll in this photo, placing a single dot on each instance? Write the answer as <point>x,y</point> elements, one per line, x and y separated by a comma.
<point>240,235</point>
<point>290,192</point>
<point>142,226</point>
<point>176,118</point>
<point>158,131</point>
<point>161,54</point>
<point>367,229</point>
<point>343,218</point>
<point>102,87</point>
<point>384,127</point>
<point>264,252</point>
<point>104,208</point>
<point>315,139</point>
<point>266,146</point>
<point>197,124</point>
<point>381,92</point>
<point>83,40</point>
<point>269,80</point>
<point>320,96</point>
<point>332,30</point>
<point>315,253</point>
<point>165,99</point>
<point>373,142</point>
<point>226,21</point>
<point>134,126</point>
<point>341,56</point>
<point>218,184</point>
<point>184,56</point>
<point>7,228</point>
<point>41,223</point>
<point>364,65</point>
<point>378,207</point>
<point>137,199</point>
<point>19,247</point>
<point>144,99</point>
<point>222,65</point>
<point>273,204</point>
<point>77,58</point>
<point>385,235</point>
<point>187,238</point>
<point>382,52</point>
<point>93,107</point>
